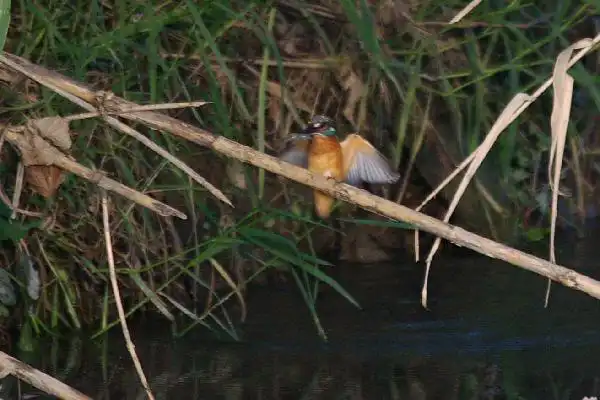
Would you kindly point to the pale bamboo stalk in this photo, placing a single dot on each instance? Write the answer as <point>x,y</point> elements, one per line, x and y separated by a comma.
<point>11,366</point>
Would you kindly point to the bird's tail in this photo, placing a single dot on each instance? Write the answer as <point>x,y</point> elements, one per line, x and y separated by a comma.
<point>323,204</point>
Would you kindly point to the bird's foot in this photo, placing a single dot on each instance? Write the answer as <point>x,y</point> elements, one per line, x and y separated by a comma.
<point>329,176</point>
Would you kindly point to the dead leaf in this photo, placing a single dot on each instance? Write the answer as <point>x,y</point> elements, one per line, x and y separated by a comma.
<point>48,138</point>
<point>355,89</point>
<point>55,129</point>
<point>44,179</point>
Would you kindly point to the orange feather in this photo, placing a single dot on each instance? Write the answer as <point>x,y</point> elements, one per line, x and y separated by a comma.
<point>325,158</point>
<point>362,162</point>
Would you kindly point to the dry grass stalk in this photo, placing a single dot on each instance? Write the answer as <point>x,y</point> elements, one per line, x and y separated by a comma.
<point>515,107</point>
<point>559,122</point>
<point>340,191</point>
<point>18,189</point>
<point>118,302</point>
<point>463,13</point>
<point>38,379</point>
<point>505,119</point>
<point>234,287</point>
<point>148,107</point>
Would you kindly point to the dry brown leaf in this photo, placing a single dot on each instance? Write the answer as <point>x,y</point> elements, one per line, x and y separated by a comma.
<point>44,179</point>
<point>55,129</point>
<point>47,136</point>
<point>355,89</point>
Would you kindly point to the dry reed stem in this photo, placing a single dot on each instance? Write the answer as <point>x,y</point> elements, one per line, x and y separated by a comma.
<point>11,366</point>
<point>479,155</point>
<point>118,302</point>
<point>513,109</point>
<point>559,122</point>
<point>341,191</point>
<point>463,13</point>
<point>438,189</point>
<point>148,107</point>
<point>18,189</point>
<point>236,288</point>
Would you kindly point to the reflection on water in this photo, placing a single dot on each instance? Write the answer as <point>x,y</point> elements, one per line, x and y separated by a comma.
<point>486,336</point>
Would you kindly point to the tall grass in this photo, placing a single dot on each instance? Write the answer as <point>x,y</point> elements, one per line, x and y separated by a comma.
<point>419,89</point>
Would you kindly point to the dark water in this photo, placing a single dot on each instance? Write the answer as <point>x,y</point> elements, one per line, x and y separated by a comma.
<point>485,336</point>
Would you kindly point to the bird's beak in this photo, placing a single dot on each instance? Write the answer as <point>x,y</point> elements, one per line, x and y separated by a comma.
<point>309,130</point>
<point>299,136</point>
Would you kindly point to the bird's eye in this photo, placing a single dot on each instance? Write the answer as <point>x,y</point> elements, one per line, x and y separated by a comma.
<point>317,125</point>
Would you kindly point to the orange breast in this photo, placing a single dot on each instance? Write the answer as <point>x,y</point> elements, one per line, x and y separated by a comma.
<point>325,158</point>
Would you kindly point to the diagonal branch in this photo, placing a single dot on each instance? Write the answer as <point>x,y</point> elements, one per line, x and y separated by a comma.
<point>341,191</point>
<point>11,366</point>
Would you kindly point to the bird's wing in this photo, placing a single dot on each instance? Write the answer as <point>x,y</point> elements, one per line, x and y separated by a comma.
<point>297,153</point>
<point>362,162</point>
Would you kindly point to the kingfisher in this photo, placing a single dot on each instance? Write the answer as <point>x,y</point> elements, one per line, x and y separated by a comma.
<point>353,160</point>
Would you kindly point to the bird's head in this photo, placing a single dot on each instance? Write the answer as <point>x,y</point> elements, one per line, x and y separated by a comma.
<point>320,125</point>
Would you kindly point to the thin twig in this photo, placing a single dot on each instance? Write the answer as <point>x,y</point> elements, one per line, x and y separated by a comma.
<point>18,189</point>
<point>117,294</point>
<point>148,107</point>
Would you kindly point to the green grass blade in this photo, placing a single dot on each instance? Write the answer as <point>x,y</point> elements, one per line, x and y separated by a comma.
<point>160,305</point>
<point>262,104</point>
<point>4,21</point>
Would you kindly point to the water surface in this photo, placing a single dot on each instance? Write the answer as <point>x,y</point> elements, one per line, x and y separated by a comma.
<point>486,335</point>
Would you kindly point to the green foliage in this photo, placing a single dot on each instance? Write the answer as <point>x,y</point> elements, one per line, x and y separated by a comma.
<point>11,230</point>
<point>27,276</point>
<point>7,293</point>
<point>4,21</point>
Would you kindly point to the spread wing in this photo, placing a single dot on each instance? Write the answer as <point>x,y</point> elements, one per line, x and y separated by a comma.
<point>362,162</point>
<point>297,153</point>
